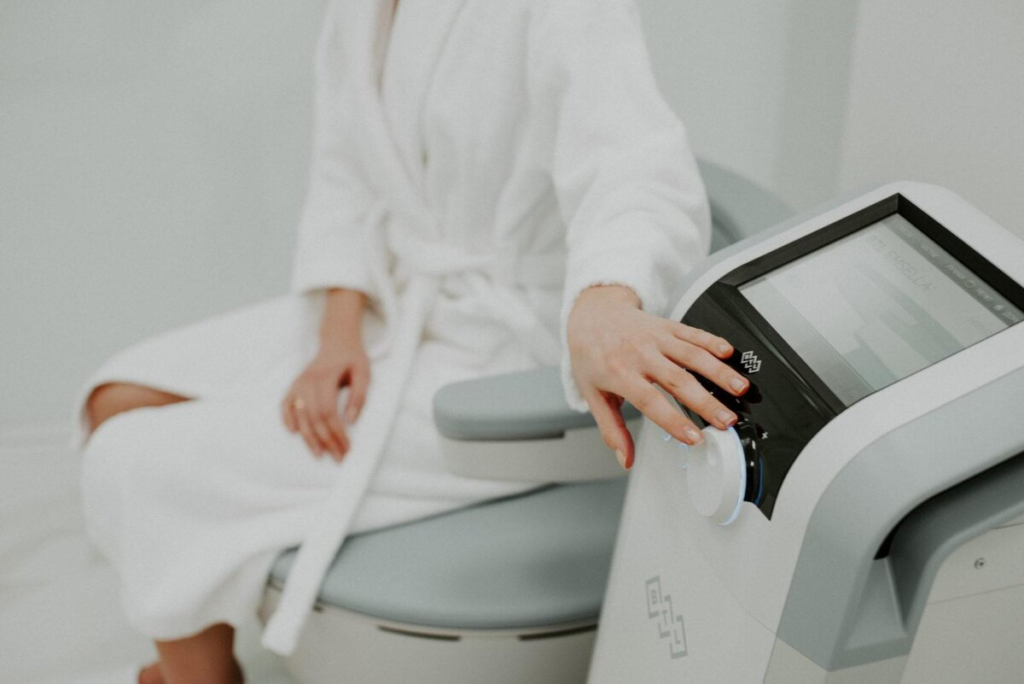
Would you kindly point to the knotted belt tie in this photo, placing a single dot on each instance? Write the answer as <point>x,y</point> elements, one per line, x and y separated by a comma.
<point>496,281</point>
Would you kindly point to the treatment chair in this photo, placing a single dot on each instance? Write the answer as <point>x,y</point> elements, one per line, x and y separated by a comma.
<point>506,592</point>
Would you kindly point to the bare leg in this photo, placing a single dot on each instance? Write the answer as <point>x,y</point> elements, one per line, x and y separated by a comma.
<point>106,401</point>
<point>205,658</point>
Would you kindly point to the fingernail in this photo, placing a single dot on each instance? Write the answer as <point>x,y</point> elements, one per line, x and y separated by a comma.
<point>351,414</point>
<point>724,348</point>
<point>693,435</point>
<point>622,458</point>
<point>725,417</point>
<point>737,384</point>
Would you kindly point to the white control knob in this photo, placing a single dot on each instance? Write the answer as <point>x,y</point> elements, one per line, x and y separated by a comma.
<point>717,475</point>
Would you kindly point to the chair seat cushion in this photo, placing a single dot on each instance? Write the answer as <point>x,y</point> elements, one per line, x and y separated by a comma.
<point>536,560</point>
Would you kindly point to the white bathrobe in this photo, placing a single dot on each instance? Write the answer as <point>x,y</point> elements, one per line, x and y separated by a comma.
<point>476,164</point>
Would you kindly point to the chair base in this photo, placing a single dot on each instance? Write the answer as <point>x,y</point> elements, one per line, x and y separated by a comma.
<point>342,646</point>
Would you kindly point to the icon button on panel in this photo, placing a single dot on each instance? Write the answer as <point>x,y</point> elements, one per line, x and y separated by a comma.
<point>750,362</point>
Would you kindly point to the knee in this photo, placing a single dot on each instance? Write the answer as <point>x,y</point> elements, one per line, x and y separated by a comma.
<point>123,451</point>
<point>107,401</point>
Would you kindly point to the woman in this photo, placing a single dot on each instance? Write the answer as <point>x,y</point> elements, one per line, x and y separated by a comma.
<point>494,186</point>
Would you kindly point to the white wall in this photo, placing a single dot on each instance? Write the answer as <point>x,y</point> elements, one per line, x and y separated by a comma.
<point>761,86</point>
<point>937,95</point>
<point>152,160</point>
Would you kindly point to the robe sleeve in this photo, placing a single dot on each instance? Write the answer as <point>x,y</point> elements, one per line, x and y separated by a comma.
<point>625,177</point>
<point>331,244</point>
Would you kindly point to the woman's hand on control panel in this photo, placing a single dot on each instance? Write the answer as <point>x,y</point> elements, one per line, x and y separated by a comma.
<point>618,351</point>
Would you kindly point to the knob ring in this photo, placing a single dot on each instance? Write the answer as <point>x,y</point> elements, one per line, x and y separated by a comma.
<point>743,478</point>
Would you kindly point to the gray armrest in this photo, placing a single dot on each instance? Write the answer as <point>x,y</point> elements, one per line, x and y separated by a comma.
<point>516,406</point>
<point>518,427</point>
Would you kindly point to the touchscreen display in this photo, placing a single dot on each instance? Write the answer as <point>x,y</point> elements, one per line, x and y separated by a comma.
<point>878,305</point>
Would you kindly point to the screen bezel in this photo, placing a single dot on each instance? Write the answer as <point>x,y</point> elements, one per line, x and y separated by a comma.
<point>896,204</point>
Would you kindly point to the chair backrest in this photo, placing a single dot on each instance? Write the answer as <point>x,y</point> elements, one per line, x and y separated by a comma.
<point>739,207</point>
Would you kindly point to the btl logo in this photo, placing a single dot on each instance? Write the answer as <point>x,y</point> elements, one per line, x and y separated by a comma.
<point>670,625</point>
<point>750,362</point>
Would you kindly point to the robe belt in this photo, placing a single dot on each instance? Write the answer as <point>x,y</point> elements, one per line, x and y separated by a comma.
<point>498,281</point>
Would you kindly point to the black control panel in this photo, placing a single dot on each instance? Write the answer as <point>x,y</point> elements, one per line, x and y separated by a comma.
<point>774,426</point>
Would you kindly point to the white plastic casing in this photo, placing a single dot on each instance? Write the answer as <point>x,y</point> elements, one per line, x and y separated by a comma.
<point>727,585</point>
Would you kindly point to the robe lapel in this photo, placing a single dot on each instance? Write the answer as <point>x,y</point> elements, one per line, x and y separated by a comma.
<point>393,159</point>
<point>418,41</point>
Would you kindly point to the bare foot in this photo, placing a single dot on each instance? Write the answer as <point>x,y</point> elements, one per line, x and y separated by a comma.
<point>151,674</point>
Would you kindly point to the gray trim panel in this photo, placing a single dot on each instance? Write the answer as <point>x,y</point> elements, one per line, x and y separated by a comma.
<point>845,607</point>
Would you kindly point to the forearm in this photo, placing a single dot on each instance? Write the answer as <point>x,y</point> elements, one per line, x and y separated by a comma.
<point>342,320</point>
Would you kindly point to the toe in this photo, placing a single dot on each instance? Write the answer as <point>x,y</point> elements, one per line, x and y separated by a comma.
<point>151,674</point>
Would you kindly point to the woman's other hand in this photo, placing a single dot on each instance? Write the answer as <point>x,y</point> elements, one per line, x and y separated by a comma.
<point>618,352</point>
<point>310,407</point>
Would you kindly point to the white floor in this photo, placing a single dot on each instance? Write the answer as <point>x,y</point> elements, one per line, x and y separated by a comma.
<point>59,617</point>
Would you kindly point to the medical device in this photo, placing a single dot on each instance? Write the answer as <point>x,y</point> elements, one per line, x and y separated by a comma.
<point>863,522</point>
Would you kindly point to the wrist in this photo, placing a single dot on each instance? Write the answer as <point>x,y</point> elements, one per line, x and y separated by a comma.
<point>339,343</point>
<point>596,308</point>
<point>610,294</point>
<point>341,327</point>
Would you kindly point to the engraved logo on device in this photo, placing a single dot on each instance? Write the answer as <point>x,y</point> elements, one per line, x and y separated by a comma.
<point>670,625</point>
<point>750,362</point>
